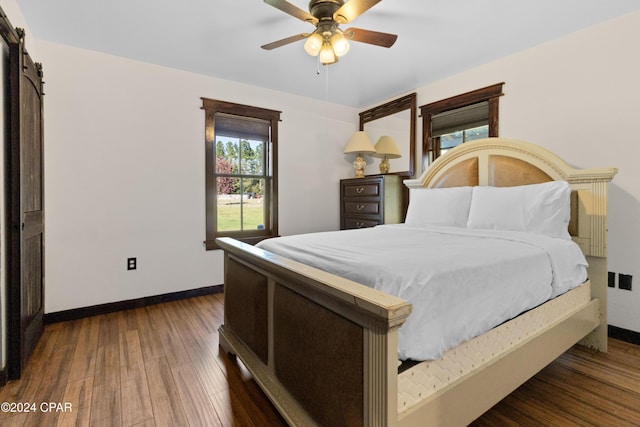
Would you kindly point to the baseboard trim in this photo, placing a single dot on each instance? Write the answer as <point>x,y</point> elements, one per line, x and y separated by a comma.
<point>626,335</point>
<point>94,310</point>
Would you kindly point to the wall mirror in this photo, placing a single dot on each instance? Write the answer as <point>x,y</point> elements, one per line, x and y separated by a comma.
<point>396,118</point>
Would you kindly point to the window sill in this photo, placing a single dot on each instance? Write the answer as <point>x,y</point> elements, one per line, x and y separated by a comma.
<point>252,240</point>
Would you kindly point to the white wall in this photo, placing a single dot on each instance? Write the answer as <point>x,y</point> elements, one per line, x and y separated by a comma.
<point>124,156</point>
<point>578,96</point>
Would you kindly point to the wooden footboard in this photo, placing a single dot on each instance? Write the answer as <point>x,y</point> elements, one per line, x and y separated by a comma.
<point>317,344</point>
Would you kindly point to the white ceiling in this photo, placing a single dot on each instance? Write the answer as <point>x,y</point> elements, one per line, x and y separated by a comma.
<point>222,38</point>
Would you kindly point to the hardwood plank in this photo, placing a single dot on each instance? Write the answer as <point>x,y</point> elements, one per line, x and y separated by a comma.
<point>78,393</point>
<point>84,358</point>
<point>165,398</point>
<point>78,418</point>
<point>109,330</point>
<point>198,408</point>
<point>231,410</point>
<point>126,320</point>
<point>105,406</point>
<point>170,337</point>
<point>136,400</point>
<point>150,339</point>
<point>106,394</point>
<point>107,366</point>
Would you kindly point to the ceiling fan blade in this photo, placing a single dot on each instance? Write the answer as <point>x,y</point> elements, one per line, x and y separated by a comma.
<point>371,37</point>
<point>283,42</point>
<point>292,10</point>
<point>352,9</point>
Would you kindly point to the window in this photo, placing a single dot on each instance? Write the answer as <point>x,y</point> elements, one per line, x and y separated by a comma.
<point>454,121</point>
<point>241,171</point>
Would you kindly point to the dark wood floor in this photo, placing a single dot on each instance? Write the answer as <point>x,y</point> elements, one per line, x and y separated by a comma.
<point>160,366</point>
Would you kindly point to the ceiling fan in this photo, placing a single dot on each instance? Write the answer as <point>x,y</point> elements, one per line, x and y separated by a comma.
<point>328,40</point>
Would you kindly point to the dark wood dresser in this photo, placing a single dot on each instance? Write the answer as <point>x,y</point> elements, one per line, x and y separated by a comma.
<point>372,200</point>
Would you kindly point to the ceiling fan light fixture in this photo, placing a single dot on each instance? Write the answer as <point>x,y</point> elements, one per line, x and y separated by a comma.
<point>328,41</point>
<point>313,45</point>
<point>327,55</point>
<point>339,43</point>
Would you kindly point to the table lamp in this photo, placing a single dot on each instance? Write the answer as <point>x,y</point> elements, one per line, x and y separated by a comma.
<point>386,148</point>
<point>359,144</point>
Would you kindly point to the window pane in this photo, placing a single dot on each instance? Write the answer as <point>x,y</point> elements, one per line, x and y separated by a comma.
<point>253,217</point>
<point>454,139</point>
<point>451,140</point>
<point>227,154</point>
<point>229,204</point>
<point>476,133</point>
<point>252,162</point>
<point>240,204</point>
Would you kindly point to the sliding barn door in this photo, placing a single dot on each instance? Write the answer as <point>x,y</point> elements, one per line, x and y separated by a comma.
<point>25,209</point>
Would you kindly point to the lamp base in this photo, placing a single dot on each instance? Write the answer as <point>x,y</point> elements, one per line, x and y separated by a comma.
<point>359,165</point>
<point>384,165</point>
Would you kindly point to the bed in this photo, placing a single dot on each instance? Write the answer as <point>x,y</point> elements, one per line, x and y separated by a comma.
<point>324,348</point>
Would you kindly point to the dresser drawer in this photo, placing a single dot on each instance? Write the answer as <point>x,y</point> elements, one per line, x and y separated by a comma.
<point>350,223</point>
<point>366,189</point>
<point>368,208</point>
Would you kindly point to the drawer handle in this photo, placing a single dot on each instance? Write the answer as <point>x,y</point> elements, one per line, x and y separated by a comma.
<point>360,190</point>
<point>359,224</point>
<point>359,207</point>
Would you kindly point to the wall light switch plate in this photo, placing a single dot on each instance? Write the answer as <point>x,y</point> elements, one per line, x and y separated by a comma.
<point>132,263</point>
<point>611,281</point>
<point>624,281</point>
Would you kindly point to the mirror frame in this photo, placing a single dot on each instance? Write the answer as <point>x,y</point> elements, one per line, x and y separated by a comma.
<point>407,102</point>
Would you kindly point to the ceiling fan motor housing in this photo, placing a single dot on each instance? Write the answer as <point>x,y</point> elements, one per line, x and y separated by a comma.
<point>324,9</point>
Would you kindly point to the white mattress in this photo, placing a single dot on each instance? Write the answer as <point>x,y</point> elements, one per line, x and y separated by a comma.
<point>461,282</point>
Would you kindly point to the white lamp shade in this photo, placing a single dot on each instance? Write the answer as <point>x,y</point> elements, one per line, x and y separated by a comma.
<point>359,143</point>
<point>386,147</point>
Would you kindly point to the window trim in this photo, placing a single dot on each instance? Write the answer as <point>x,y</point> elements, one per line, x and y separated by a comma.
<point>211,108</point>
<point>491,94</point>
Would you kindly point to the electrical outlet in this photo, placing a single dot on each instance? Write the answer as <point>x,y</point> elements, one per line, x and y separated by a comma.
<point>611,281</point>
<point>132,263</point>
<point>624,281</point>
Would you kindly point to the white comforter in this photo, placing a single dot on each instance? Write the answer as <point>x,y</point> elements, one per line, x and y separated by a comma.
<point>461,282</point>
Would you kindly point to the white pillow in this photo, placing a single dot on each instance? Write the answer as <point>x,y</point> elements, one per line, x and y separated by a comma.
<point>537,208</point>
<point>439,206</point>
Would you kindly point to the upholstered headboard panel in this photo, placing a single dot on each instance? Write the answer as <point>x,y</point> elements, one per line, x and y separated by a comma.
<point>461,174</point>
<point>502,162</point>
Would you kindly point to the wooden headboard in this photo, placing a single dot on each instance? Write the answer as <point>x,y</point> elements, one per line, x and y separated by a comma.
<point>504,162</point>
